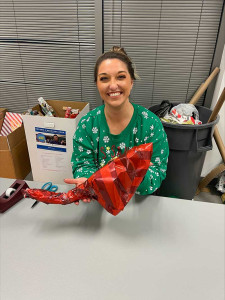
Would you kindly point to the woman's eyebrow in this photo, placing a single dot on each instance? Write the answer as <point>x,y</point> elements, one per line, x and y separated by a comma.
<point>107,74</point>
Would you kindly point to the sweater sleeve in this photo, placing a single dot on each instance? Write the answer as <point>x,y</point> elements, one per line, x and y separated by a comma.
<point>157,172</point>
<point>83,156</point>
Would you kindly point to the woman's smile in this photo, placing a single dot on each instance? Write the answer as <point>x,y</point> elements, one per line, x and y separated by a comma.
<point>114,94</point>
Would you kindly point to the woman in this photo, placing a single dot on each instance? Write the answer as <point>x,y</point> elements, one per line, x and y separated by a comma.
<point>110,129</point>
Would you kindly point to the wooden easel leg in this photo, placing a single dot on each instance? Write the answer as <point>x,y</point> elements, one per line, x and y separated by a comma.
<point>209,177</point>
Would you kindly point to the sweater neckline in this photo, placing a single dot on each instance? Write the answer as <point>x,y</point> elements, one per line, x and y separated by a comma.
<point>126,130</point>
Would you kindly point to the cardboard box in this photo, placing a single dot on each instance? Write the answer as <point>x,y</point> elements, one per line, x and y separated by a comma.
<point>14,157</point>
<point>50,159</point>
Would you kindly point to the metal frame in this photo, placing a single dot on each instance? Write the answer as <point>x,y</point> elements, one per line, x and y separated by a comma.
<point>216,59</point>
<point>99,37</point>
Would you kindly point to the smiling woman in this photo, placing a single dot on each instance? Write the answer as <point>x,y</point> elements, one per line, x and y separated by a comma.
<point>114,82</point>
<point>118,125</point>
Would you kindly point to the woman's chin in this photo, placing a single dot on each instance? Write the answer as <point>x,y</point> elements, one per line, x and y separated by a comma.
<point>116,102</point>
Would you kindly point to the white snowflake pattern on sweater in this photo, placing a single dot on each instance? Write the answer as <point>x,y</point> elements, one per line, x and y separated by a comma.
<point>94,146</point>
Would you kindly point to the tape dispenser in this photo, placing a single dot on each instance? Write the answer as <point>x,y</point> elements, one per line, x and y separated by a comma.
<point>12,195</point>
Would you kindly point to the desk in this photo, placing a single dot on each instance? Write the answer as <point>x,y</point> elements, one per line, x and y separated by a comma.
<point>158,248</point>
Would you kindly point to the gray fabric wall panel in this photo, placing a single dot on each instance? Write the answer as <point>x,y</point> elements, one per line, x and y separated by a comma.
<point>47,49</point>
<point>171,42</point>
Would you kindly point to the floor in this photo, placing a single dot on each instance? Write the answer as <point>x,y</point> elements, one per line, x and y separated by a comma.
<point>213,197</point>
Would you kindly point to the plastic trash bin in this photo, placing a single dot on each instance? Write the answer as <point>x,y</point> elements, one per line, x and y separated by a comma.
<point>188,145</point>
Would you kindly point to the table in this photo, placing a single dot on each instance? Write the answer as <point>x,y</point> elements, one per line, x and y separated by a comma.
<point>157,248</point>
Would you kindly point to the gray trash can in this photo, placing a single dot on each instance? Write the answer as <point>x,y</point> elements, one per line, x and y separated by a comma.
<point>188,145</point>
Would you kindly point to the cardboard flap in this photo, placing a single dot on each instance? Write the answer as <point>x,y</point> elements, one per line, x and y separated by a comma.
<point>59,104</point>
<point>7,168</point>
<point>15,163</point>
<point>3,139</point>
<point>4,143</point>
<point>37,107</point>
<point>21,160</point>
<point>2,115</point>
<point>16,136</point>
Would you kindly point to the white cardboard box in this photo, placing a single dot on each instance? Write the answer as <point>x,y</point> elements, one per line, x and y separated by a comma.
<point>50,161</point>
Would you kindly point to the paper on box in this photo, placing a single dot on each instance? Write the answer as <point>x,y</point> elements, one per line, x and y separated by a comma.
<point>51,161</point>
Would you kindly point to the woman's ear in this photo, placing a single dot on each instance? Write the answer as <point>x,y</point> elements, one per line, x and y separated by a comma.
<point>132,83</point>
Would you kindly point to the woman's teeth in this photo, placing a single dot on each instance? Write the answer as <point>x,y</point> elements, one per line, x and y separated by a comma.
<point>114,94</point>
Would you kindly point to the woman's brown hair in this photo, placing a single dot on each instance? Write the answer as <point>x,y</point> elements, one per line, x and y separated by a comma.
<point>118,53</point>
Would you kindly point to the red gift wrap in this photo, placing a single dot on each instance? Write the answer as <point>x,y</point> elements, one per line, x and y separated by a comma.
<point>112,186</point>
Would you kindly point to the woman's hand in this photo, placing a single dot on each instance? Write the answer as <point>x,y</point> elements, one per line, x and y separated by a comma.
<point>77,182</point>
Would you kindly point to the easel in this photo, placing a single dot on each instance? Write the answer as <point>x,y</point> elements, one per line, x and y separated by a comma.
<point>202,187</point>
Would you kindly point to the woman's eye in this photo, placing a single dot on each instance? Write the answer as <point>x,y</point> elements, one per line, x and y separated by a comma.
<point>121,76</point>
<point>103,78</point>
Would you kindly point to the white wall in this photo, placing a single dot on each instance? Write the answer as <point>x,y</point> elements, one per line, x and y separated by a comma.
<point>213,157</point>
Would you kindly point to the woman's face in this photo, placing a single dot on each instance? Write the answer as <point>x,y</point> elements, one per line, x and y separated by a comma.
<point>114,82</point>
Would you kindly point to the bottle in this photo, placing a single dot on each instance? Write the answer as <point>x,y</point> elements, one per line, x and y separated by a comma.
<point>46,109</point>
<point>68,112</point>
<point>74,113</point>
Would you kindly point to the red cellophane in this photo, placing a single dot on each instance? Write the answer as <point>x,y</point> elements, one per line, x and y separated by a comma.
<point>112,186</point>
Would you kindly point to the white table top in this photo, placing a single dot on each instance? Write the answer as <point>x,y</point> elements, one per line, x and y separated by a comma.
<point>157,248</point>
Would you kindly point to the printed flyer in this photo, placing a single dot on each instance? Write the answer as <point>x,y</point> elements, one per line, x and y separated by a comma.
<point>51,145</point>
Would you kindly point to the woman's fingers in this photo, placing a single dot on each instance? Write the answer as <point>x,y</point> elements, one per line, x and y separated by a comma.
<point>84,200</point>
<point>70,180</point>
<point>76,181</point>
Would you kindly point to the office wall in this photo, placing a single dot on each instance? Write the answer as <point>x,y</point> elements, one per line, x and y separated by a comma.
<point>213,157</point>
<point>172,44</point>
<point>49,48</point>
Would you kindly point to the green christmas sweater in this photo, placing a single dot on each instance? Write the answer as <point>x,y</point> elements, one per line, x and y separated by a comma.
<point>94,145</point>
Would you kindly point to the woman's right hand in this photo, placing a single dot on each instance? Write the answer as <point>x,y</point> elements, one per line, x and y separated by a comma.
<point>77,182</point>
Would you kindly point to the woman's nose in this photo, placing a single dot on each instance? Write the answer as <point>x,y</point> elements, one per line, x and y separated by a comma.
<point>113,84</point>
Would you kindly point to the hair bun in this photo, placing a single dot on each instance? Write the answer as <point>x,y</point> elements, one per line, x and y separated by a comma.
<point>116,52</point>
<point>118,49</point>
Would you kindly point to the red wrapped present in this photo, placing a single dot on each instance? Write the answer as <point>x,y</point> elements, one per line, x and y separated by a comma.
<point>112,186</point>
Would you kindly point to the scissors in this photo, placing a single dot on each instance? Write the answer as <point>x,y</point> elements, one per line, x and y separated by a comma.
<point>48,186</point>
